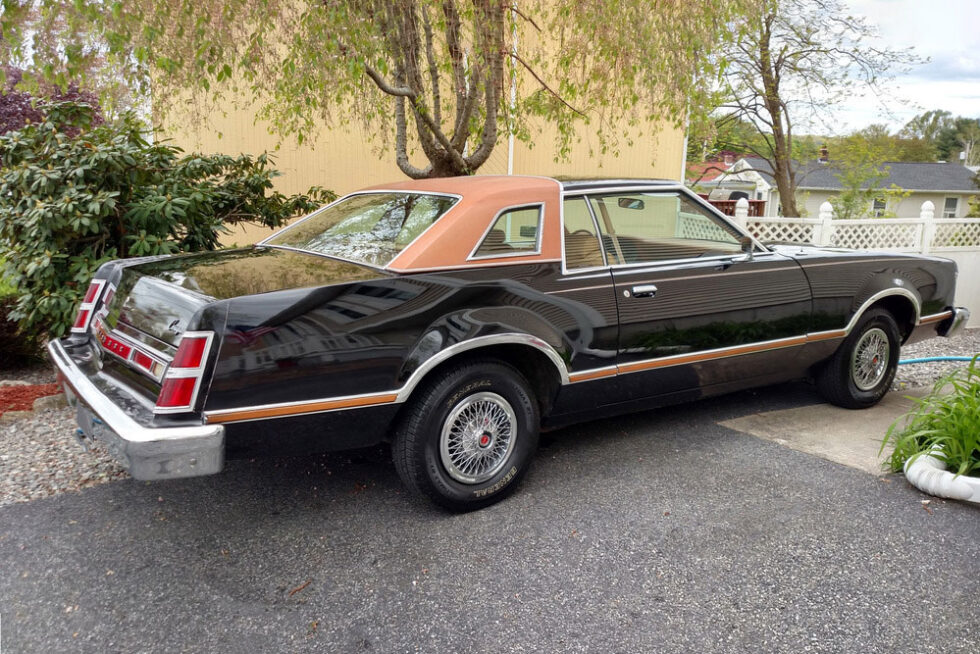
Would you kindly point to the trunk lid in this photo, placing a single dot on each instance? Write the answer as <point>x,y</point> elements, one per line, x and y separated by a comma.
<point>150,303</point>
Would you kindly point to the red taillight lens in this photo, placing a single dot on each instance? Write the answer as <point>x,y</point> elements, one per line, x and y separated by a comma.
<point>81,320</point>
<point>182,381</point>
<point>142,360</point>
<point>177,392</point>
<point>91,293</point>
<point>87,308</point>
<point>190,353</point>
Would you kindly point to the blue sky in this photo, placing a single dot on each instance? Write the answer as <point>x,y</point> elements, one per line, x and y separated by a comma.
<point>945,31</point>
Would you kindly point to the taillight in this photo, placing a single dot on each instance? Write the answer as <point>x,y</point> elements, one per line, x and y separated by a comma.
<point>87,308</point>
<point>182,381</point>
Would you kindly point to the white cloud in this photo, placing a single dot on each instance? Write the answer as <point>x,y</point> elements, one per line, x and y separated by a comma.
<point>946,32</point>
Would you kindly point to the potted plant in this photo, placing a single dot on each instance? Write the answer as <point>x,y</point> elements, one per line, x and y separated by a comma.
<point>937,444</point>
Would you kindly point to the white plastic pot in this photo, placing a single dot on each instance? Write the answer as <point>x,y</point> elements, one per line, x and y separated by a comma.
<point>929,475</point>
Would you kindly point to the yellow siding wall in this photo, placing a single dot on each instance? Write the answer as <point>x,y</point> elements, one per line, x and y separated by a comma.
<point>343,159</point>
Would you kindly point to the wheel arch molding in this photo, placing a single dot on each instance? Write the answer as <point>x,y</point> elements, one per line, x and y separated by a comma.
<point>525,352</point>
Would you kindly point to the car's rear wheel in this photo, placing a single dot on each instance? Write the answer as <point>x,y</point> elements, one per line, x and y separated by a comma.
<point>862,369</point>
<point>468,437</point>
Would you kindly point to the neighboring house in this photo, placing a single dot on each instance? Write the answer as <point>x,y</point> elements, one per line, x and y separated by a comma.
<point>947,185</point>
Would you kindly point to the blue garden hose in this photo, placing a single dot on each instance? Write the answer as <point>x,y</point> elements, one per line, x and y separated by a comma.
<point>929,359</point>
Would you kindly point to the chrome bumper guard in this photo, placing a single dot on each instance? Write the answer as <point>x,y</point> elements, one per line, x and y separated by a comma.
<point>147,453</point>
<point>961,316</point>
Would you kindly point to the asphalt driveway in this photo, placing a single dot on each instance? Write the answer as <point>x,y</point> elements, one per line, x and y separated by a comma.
<point>657,532</point>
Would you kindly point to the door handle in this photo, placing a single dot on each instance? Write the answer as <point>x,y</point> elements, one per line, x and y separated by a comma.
<point>644,290</point>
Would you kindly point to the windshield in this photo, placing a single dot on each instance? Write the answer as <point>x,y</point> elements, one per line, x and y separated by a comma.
<point>368,228</point>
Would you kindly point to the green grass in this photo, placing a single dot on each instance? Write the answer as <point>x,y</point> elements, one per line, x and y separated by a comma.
<point>947,418</point>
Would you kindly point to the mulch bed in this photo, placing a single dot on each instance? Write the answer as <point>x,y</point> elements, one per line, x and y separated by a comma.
<point>21,398</point>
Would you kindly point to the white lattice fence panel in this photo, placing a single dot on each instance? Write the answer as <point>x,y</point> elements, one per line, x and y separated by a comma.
<point>694,226</point>
<point>956,235</point>
<point>789,232</point>
<point>879,235</point>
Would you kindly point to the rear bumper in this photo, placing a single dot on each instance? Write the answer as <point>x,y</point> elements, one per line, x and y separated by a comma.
<point>952,326</point>
<point>148,453</point>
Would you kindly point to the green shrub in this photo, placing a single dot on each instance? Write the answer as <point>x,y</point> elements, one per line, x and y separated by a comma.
<point>74,195</point>
<point>949,418</point>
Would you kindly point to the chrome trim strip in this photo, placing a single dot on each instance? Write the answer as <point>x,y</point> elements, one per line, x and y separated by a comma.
<point>510,338</point>
<point>465,267</point>
<point>134,345</point>
<point>670,188</point>
<point>936,317</point>
<point>493,221</point>
<point>302,407</point>
<point>708,355</point>
<point>593,373</point>
<point>396,396</point>
<point>753,348</point>
<point>904,292</point>
<point>134,335</point>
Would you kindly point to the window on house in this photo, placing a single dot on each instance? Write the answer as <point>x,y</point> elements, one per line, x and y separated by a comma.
<point>878,207</point>
<point>950,206</point>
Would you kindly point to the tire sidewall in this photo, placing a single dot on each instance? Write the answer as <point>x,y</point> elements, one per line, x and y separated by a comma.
<point>492,378</point>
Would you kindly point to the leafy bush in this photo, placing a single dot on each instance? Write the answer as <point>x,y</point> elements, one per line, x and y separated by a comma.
<point>74,194</point>
<point>948,418</point>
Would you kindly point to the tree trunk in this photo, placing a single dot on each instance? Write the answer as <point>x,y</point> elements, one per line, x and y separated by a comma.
<point>782,136</point>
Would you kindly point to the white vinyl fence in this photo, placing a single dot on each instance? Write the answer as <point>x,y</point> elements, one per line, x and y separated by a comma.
<point>953,238</point>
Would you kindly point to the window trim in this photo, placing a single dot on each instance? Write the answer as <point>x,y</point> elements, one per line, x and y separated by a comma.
<point>875,211</point>
<point>955,209</point>
<point>517,253</point>
<point>666,188</point>
<point>374,191</point>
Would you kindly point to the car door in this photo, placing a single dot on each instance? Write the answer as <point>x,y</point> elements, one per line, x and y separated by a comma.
<point>696,308</point>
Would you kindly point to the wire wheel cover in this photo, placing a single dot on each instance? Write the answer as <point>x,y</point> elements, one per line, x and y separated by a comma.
<point>477,438</point>
<point>869,361</point>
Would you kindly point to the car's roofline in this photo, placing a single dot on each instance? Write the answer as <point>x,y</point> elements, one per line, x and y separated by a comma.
<point>570,185</point>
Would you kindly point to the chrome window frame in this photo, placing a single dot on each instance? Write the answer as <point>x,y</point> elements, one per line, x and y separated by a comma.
<point>473,256</point>
<point>378,191</point>
<point>657,189</point>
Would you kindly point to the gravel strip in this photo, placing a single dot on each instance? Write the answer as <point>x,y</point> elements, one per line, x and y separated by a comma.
<point>41,373</point>
<point>39,458</point>
<point>966,343</point>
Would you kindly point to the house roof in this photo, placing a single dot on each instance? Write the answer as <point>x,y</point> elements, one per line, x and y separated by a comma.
<point>911,176</point>
<point>705,171</point>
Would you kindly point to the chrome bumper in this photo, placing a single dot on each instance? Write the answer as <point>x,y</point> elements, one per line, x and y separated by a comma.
<point>148,453</point>
<point>961,316</point>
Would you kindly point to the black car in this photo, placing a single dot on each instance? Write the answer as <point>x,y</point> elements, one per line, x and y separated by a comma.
<point>457,317</point>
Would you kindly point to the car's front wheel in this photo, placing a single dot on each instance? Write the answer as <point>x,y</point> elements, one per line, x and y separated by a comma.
<point>863,367</point>
<point>468,437</point>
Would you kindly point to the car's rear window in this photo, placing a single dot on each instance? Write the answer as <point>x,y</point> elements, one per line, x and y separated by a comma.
<point>367,228</point>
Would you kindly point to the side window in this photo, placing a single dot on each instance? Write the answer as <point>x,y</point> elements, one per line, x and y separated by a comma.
<point>515,232</point>
<point>878,207</point>
<point>582,249</point>
<point>642,227</point>
<point>950,205</point>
